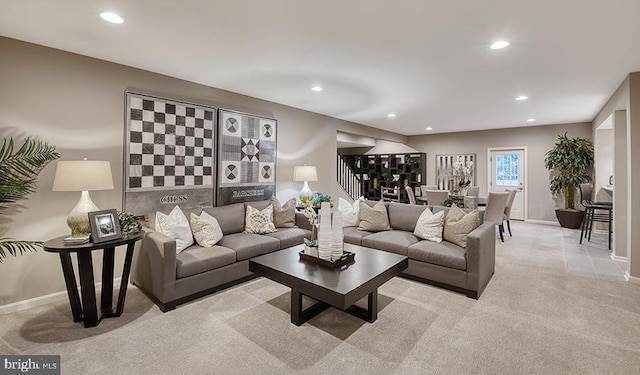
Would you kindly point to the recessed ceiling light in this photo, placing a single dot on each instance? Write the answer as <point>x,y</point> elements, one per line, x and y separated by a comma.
<point>499,44</point>
<point>391,115</point>
<point>531,120</point>
<point>316,88</point>
<point>522,97</point>
<point>111,17</point>
<point>429,128</point>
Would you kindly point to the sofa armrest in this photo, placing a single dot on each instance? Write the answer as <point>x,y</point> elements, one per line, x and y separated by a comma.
<point>154,268</point>
<point>302,221</point>
<point>481,257</point>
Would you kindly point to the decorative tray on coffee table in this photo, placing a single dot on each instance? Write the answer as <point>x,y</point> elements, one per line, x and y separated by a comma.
<point>346,258</point>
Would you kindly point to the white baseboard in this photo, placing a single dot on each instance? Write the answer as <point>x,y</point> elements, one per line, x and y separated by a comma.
<point>44,300</point>
<point>543,222</point>
<point>635,280</point>
<point>618,258</point>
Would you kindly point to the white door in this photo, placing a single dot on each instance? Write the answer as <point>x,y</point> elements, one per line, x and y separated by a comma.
<point>508,173</point>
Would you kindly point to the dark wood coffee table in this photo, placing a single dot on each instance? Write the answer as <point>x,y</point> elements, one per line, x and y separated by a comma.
<point>337,287</point>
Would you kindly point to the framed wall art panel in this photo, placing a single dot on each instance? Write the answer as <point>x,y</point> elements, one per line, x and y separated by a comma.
<point>444,169</point>
<point>169,155</point>
<point>247,157</point>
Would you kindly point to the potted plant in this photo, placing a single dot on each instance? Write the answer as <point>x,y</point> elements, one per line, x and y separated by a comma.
<point>19,171</point>
<point>570,162</point>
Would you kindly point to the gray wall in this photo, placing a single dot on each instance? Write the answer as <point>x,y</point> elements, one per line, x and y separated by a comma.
<point>625,101</point>
<point>77,104</point>
<point>537,139</point>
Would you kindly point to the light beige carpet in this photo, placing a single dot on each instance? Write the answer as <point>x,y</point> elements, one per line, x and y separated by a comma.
<point>553,307</point>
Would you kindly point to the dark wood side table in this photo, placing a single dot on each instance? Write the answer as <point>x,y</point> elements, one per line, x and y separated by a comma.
<point>87,311</point>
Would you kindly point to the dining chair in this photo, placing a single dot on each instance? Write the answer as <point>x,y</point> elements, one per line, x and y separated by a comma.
<point>594,212</point>
<point>507,209</point>
<point>473,191</point>
<point>424,188</point>
<point>411,195</point>
<point>494,212</point>
<point>436,197</point>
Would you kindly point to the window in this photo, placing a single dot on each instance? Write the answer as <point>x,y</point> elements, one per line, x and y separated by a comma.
<point>507,173</point>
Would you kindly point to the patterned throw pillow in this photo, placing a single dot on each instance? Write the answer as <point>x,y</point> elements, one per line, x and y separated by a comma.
<point>458,225</point>
<point>374,219</point>
<point>429,226</point>
<point>350,212</point>
<point>176,226</point>
<point>284,216</point>
<point>259,221</point>
<point>206,229</point>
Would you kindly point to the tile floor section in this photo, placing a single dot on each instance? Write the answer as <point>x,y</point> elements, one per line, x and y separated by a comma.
<point>590,259</point>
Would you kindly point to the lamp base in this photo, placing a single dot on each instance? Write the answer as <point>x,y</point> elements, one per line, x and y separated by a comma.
<point>78,219</point>
<point>305,194</point>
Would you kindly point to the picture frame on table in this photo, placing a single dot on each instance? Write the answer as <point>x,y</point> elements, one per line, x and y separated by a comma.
<point>104,226</point>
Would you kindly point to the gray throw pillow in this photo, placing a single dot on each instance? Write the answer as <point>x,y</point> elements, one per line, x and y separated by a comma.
<point>374,219</point>
<point>458,225</point>
<point>284,216</point>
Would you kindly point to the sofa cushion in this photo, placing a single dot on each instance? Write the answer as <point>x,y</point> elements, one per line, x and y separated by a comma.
<point>290,236</point>
<point>284,216</point>
<point>404,216</point>
<point>260,205</point>
<point>354,235</point>
<point>458,225</point>
<point>374,219</point>
<point>248,245</point>
<point>230,217</point>
<point>350,212</point>
<point>430,225</point>
<point>395,241</point>
<point>443,254</point>
<point>206,229</point>
<point>259,221</point>
<point>197,259</point>
<point>176,226</point>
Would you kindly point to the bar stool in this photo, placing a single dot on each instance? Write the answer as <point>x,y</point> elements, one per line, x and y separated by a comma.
<point>594,212</point>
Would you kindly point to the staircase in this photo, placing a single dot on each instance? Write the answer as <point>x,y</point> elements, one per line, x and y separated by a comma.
<point>348,179</point>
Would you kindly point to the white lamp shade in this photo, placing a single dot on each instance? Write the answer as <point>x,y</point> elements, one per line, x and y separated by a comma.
<point>305,173</point>
<point>83,175</point>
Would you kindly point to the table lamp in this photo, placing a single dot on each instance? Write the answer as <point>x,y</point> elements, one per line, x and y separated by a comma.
<point>82,175</point>
<point>305,173</point>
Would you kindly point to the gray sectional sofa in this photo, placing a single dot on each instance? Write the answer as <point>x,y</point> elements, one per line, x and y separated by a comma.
<point>443,264</point>
<point>170,279</point>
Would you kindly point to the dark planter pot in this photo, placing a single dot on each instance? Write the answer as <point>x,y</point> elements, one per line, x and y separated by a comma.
<point>571,219</point>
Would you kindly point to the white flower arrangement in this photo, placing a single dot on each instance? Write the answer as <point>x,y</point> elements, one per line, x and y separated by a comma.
<point>462,171</point>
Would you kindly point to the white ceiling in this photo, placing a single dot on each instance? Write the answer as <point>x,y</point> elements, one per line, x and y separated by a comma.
<point>426,60</point>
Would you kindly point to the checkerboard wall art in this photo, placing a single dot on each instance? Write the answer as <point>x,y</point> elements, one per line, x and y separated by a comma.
<point>170,154</point>
<point>247,157</point>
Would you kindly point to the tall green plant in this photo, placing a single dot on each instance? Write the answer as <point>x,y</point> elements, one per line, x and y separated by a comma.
<point>571,159</point>
<point>19,171</point>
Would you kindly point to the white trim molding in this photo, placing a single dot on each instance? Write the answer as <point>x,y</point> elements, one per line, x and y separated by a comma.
<point>618,258</point>
<point>43,300</point>
<point>543,222</point>
<point>629,278</point>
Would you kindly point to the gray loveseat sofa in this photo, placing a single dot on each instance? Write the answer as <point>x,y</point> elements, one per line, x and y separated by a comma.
<point>170,279</point>
<point>443,264</point>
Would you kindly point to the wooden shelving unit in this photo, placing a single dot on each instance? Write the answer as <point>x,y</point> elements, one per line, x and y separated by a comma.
<point>384,176</point>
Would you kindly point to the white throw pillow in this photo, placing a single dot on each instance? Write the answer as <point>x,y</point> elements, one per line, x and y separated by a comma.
<point>429,226</point>
<point>206,229</point>
<point>259,221</point>
<point>350,212</point>
<point>176,226</point>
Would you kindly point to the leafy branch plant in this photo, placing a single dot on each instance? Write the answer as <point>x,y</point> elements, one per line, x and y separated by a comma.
<point>571,159</point>
<point>19,169</point>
